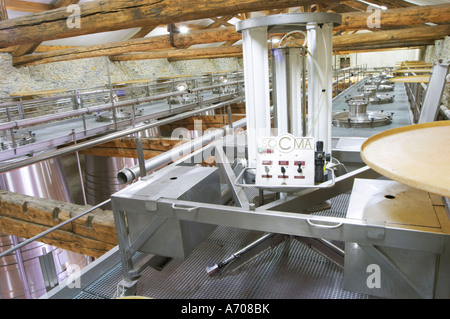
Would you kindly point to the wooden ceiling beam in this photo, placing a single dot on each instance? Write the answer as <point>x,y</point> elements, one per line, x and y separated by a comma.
<point>27,6</point>
<point>375,40</point>
<point>3,12</point>
<point>391,4</point>
<point>143,32</point>
<point>65,3</point>
<point>180,53</point>
<point>352,21</point>
<point>401,17</point>
<point>110,15</point>
<point>134,45</point>
<point>31,47</point>
<point>391,37</point>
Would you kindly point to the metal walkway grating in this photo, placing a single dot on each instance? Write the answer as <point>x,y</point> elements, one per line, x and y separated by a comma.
<point>289,271</point>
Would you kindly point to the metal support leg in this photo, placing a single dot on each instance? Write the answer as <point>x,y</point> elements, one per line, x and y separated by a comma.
<point>325,248</point>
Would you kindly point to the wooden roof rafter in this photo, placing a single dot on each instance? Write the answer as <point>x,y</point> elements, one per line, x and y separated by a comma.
<point>401,17</point>
<point>31,47</point>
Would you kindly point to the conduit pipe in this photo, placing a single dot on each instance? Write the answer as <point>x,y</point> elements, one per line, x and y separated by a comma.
<point>128,174</point>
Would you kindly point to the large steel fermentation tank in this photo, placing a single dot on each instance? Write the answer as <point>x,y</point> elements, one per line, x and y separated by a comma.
<point>21,273</point>
<point>101,177</point>
<point>101,173</point>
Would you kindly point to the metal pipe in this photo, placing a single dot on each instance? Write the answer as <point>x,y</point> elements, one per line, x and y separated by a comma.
<point>303,112</point>
<point>111,93</point>
<point>104,139</point>
<point>128,174</point>
<point>22,273</point>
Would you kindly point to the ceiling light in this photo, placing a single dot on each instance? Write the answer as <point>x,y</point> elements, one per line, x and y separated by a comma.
<point>274,40</point>
<point>373,5</point>
<point>184,29</point>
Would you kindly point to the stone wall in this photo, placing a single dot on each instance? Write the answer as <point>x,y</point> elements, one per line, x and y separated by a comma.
<point>380,58</point>
<point>440,51</point>
<point>92,72</point>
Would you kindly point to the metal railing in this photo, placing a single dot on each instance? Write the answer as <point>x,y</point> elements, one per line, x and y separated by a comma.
<point>346,77</point>
<point>84,104</point>
<point>346,73</point>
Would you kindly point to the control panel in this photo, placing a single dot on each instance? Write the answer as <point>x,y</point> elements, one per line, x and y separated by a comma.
<point>285,160</point>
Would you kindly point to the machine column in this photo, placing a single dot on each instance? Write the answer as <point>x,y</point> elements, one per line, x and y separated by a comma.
<point>320,68</point>
<point>257,99</point>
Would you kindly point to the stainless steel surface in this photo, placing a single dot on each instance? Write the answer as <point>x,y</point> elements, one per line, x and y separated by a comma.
<point>433,94</point>
<point>289,271</point>
<point>129,174</point>
<point>20,270</point>
<point>402,273</point>
<point>96,141</point>
<point>142,228</point>
<point>100,175</point>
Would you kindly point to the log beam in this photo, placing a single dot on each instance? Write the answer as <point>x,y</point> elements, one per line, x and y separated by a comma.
<point>3,12</point>
<point>409,37</point>
<point>390,18</point>
<point>27,216</point>
<point>393,38</point>
<point>395,18</point>
<point>110,15</point>
<point>27,6</point>
<point>182,53</point>
<point>134,45</point>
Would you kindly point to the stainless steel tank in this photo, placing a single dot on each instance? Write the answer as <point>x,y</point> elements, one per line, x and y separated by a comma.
<point>21,272</point>
<point>101,173</point>
<point>101,177</point>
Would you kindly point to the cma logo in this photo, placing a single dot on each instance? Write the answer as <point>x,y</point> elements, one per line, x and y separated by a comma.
<point>286,143</point>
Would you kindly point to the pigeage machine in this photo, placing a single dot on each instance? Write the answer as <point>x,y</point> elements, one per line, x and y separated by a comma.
<point>166,214</point>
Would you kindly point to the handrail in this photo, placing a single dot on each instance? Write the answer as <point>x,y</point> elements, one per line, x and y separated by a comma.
<point>236,124</point>
<point>88,110</point>
<point>106,138</point>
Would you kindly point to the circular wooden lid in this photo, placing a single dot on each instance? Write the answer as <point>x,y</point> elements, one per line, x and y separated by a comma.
<point>416,155</point>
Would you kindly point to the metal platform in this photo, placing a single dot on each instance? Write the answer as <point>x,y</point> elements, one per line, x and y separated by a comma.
<point>289,271</point>
<point>399,107</point>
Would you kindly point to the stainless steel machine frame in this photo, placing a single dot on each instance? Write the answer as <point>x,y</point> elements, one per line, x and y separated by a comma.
<point>159,213</point>
<point>290,215</point>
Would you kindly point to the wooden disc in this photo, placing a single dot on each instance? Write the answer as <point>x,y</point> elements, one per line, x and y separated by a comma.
<point>412,79</point>
<point>416,155</point>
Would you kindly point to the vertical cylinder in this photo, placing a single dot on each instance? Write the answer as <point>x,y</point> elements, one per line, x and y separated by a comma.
<point>320,68</point>
<point>101,180</point>
<point>287,94</point>
<point>257,98</point>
